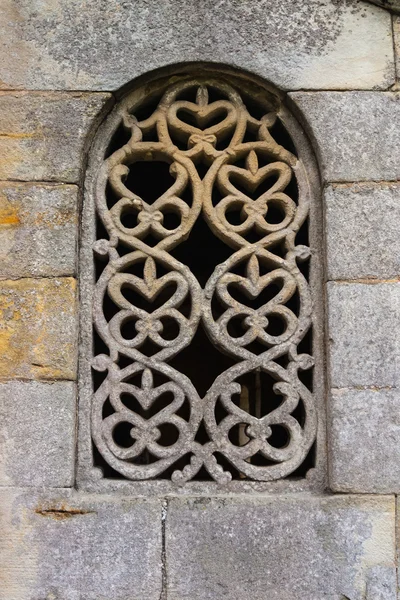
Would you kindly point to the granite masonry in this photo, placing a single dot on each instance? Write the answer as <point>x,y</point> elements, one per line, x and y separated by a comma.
<point>71,530</point>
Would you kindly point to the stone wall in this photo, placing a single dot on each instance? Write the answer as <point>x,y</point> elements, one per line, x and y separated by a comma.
<point>62,64</point>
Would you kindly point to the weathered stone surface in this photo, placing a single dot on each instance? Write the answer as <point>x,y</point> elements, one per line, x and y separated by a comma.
<point>314,44</point>
<point>43,135</point>
<point>38,334</point>
<point>364,440</point>
<point>225,334</point>
<point>393,5</point>
<point>362,230</point>
<point>67,547</point>
<point>281,548</point>
<point>364,321</point>
<point>37,433</point>
<point>381,584</point>
<point>356,134</point>
<point>38,229</point>
<point>396,34</point>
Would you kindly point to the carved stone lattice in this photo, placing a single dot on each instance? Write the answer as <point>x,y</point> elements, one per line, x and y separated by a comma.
<point>226,168</point>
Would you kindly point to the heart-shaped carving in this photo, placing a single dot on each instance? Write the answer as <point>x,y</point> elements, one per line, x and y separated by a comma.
<point>149,287</point>
<point>148,324</point>
<point>256,319</point>
<point>187,118</point>
<point>254,212</point>
<point>144,432</point>
<point>134,217</point>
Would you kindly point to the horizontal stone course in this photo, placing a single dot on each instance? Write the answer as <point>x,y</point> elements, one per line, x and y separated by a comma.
<point>362,233</point>
<point>292,547</point>
<point>65,546</point>
<point>363,326</point>
<point>355,134</point>
<point>364,441</point>
<point>43,136</point>
<point>296,45</point>
<point>38,229</point>
<point>37,433</point>
<point>38,328</point>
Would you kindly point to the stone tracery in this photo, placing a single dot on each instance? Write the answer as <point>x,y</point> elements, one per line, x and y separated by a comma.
<point>244,192</point>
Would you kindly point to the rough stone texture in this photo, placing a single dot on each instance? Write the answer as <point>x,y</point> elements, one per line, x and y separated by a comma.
<point>43,136</point>
<point>396,34</point>
<point>250,317</point>
<point>356,134</point>
<point>63,546</point>
<point>364,441</point>
<point>381,584</point>
<point>362,232</point>
<point>280,548</point>
<point>364,321</point>
<point>37,433</point>
<point>38,334</point>
<point>393,5</point>
<point>101,46</point>
<point>38,229</point>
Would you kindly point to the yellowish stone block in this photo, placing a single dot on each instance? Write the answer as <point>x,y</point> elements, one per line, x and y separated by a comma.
<point>38,328</point>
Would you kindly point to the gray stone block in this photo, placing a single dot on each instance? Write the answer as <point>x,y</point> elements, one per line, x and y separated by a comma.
<point>362,232</point>
<point>37,433</point>
<point>43,136</point>
<point>364,321</point>
<point>293,547</point>
<point>364,441</point>
<point>38,229</point>
<point>356,134</point>
<point>61,546</point>
<point>312,44</point>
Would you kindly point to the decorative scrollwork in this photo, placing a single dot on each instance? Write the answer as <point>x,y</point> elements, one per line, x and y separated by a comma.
<point>223,163</point>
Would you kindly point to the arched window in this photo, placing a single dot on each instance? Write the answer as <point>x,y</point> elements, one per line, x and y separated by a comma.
<point>200,284</point>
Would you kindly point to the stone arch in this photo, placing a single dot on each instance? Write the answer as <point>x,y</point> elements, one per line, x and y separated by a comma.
<point>186,151</point>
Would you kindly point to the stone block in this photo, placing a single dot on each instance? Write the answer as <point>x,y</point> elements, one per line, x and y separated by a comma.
<point>364,321</point>
<point>297,45</point>
<point>38,229</point>
<point>37,433</point>
<point>364,440</point>
<point>361,230</point>
<point>292,547</point>
<point>396,34</point>
<point>44,136</point>
<point>356,134</point>
<point>38,329</point>
<point>61,546</point>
